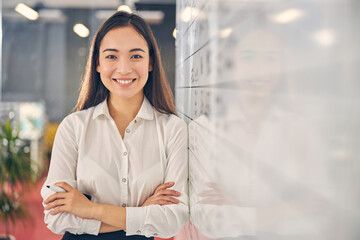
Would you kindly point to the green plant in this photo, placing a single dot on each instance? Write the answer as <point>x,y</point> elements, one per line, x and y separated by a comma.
<point>16,174</point>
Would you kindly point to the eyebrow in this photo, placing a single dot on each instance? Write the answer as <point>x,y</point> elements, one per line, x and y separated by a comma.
<point>115,50</point>
<point>136,50</point>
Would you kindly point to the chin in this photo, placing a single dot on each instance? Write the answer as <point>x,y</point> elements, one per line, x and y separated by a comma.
<point>127,96</point>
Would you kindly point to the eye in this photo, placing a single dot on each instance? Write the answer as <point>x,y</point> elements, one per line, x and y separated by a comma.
<point>136,56</point>
<point>111,57</point>
<point>248,58</point>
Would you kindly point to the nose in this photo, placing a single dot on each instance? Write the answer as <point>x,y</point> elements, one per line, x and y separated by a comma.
<point>124,67</point>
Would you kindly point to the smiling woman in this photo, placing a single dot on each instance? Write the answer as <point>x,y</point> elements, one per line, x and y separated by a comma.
<point>124,146</point>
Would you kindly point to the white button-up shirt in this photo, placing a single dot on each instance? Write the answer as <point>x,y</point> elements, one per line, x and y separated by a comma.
<point>90,154</point>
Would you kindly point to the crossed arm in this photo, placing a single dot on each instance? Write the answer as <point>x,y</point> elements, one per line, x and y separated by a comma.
<point>112,218</point>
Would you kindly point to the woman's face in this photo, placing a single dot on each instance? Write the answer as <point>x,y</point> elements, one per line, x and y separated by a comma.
<point>259,64</point>
<point>124,63</point>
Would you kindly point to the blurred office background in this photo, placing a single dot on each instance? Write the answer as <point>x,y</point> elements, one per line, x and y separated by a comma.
<point>43,58</point>
<point>269,89</point>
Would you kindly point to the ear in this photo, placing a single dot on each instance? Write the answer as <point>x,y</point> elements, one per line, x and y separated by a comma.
<point>150,64</point>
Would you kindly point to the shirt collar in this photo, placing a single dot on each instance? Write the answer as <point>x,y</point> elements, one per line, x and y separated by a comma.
<point>101,109</point>
<point>145,112</point>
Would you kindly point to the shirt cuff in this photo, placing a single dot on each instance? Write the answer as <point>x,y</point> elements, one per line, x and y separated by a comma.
<point>135,217</point>
<point>90,226</point>
<point>226,221</point>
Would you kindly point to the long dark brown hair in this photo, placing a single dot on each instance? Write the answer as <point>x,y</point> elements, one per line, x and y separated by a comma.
<point>157,89</point>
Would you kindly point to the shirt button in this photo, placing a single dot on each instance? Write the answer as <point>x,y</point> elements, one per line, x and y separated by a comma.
<point>135,121</point>
<point>127,130</point>
<point>125,153</point>
<point>155,234</point>
<point>138,231</point>
<point>123,205</point>
<point>123,180</point>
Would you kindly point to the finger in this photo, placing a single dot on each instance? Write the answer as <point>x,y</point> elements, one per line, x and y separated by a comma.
<point>162,202</point>
<point>54,196</point>
<point>218,200</point>
<point>67,187</point>
<point>209,193</point>
<point>54,204</point>
<point>58,210</point>
<point>172,200</point>
<point>164,186</point>
<point>213,201</point>
<point>213,185</point>
<point>167,198</point>
<point>168,192</point>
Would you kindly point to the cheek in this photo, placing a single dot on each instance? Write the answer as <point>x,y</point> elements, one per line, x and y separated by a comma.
<point>105,69</point>
<point>143,69</point>
<point>243,70</point>
<point>105,75</point>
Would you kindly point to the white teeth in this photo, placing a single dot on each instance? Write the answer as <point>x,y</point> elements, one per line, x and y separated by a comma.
<point>124,81</point>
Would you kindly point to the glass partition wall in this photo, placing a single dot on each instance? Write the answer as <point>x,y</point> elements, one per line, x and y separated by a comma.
<point>270,91</point>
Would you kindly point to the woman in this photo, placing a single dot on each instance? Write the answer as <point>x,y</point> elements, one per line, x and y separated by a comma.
<point>124,146</point>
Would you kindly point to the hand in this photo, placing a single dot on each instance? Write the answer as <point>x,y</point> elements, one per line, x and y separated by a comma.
<point>71,201</point>
<point>162,195</point>
<point>215,196</point>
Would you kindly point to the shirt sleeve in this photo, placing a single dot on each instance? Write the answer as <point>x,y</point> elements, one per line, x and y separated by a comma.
<point>166,221</point>
<point>63,169</point>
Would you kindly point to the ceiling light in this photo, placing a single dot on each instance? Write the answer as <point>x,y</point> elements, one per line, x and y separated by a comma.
<point>81,30</point>
<point>124,8</point>
<point>187,13</point>
<point>27,11</point>
<point>224,33</point>
<point>289,15</point>
<point>174,33</point>
<point>325,37</point>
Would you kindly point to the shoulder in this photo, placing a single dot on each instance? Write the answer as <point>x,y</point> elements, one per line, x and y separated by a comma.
<point>171,121</point>
<point>76,120</point>
<point>174,130</point>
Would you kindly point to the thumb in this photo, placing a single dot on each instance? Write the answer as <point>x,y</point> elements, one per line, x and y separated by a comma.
<point>67,187</point>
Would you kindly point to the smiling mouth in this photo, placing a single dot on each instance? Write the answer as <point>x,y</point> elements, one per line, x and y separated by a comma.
<point>123,81</point>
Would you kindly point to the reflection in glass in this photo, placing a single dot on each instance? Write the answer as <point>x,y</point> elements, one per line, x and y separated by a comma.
<point>272,124</point>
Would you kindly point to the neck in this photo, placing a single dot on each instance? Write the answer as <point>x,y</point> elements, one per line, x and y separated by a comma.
<point>124,108</point>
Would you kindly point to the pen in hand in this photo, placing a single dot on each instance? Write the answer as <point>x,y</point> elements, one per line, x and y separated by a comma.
<point>55,188</point>
<point>59,189</point>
